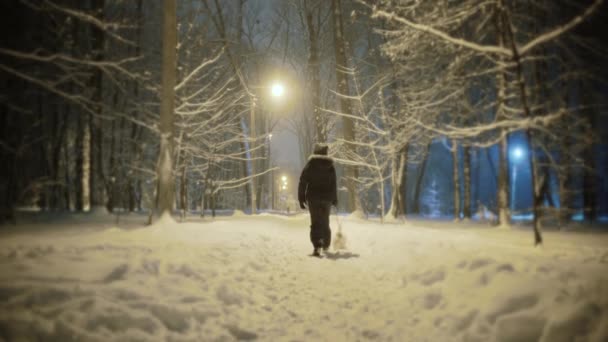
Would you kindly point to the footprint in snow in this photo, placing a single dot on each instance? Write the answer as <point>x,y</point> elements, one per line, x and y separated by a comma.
<point>520,327</point>
<point>431,277</point>
<point>228,295</point>
<point>431,300</point>
<point>241,334</point>
<point>512,304</point>
<point>480,262</point>
<point>117,273</point>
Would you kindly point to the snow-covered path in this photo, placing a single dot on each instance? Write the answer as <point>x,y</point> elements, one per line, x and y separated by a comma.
<point>242,278</point>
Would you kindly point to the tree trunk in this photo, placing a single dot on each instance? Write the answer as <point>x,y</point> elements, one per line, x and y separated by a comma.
<point>135,130</point>
<point>96,185</point>
<point>67,162</point>
<point>97,182</point>
<point>59,143</point>
<point>56,142</point>
<point>590,185</point>
<point>504,216</point>
<point>140,196</point>
<point>110,185</point>
<point>545,188</point>
<point>212,201</point>
<point>456,179</point>
<point>252,135</point>
<point>348,129</point>
<point>419,177</point>
<point>41,163</point>
<point>565,168</point>
<point>590,180</point>
<point>121,172</point>
<point>203,197</point>
<point>475,189</point>
<point>502,192</point>
<point>313,74</point>
<point>84,200</point>
<point>131,191</point>
<point>169,63</point>
<point>183,192</point>
<point>8,172</point>
<point>403,199</point>
<point>527,113</point>
<point>467,183</point>
<point>218,22</point>
<point>398,164</point>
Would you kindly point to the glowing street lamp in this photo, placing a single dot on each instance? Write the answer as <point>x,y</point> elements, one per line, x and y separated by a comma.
<point>517,153</point>
<point>277,90</point>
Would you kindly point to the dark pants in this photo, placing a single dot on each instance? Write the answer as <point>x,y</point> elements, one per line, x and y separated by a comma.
<point>320,233</point>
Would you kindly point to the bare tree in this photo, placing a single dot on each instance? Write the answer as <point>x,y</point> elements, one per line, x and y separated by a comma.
<point>508,63</point>
<point>165,192</point>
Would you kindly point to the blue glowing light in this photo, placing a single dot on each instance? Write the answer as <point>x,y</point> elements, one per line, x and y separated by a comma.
<point>517,153</point>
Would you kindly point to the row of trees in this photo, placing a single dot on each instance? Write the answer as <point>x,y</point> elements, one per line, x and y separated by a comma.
<point>95,91</point>
<point>385,82</point>
<point>435,81</point>
<point>471,77</point>
<point>505,68</point>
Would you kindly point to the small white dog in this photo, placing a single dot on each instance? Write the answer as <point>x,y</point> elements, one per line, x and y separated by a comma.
<point>339,241</point>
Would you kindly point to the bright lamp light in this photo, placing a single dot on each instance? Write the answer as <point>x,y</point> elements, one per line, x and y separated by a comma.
<point>518,153</point>
<point>277,90</point>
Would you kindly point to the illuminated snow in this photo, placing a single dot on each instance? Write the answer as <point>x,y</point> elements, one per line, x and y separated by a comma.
<point>252,278</point>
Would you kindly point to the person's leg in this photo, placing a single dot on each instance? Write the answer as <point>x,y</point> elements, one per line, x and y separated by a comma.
<point>325,211</point>
<point>316,224</point>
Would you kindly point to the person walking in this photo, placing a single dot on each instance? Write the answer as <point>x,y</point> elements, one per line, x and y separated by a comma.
<point>317,191</point>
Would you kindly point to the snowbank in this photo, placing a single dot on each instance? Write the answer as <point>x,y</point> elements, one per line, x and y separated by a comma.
<point>357,214</point>
<point>247,278</point>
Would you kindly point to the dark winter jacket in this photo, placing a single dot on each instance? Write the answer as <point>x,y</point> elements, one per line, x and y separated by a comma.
<point>318,179</point>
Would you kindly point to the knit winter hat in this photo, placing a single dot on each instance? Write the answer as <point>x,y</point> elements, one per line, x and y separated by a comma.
<point>321,149</point>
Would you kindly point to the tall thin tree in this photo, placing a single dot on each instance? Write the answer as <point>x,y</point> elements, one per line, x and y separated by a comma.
<point>165,191</point>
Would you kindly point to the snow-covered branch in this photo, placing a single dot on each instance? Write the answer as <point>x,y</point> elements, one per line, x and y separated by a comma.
<point>442,35</point>
<point>556,32</point>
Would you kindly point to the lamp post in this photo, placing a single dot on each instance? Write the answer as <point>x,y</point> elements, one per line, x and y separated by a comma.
<point>284,189</point>
<point>251,155</point>
<point>277,90</point>
<point>516,154</point>
<point>271,172</point>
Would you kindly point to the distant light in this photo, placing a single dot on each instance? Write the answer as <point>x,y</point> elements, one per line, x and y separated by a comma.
<point>518,153</point>
<point>284,187</point>
<point>284,178</point>
<point>277,90</point>
<point>270,136</point>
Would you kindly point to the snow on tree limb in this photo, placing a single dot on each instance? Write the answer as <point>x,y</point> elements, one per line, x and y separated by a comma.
<point>552,34</point>
<point>106,27</point>
<point>442,35</point>
<point>202,66</point>
<point>504,126</point>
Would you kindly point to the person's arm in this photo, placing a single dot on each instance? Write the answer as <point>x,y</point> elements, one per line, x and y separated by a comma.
<point>302,185</point>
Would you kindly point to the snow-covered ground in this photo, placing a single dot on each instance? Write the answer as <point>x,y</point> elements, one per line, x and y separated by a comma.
<point>83,278</point>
